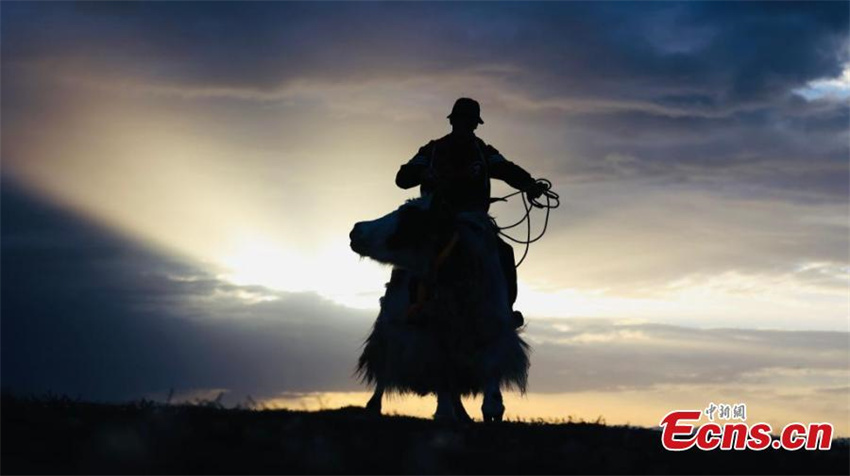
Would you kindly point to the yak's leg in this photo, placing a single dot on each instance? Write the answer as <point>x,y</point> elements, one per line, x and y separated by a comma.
<point>492,409</point>
<point>445,407</point>
<point>374,404</point>
<point>460,412</point>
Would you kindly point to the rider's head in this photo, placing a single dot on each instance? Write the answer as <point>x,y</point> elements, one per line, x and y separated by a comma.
<point>465,116</point>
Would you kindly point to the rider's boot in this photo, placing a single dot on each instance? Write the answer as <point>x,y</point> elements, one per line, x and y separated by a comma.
<point>518,319</point>
<point>506,259</point>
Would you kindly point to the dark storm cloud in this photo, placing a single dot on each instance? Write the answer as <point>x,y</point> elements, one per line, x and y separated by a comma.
<point>86,312</point>
<point>792,149</point>
<point>679,55</point>
<point>691,92</point>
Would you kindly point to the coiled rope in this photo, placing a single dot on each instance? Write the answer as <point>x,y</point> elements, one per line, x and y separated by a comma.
<point>553,200</point>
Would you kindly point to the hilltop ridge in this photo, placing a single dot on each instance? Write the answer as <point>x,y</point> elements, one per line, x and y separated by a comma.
<point>62,436</point>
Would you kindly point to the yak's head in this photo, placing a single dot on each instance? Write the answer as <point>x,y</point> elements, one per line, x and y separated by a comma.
<point>409,237</point>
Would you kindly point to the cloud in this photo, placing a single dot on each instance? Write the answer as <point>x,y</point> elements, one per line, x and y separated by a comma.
<point>701,93</point>
<point>87,312</point>
<point>601,355</point>
<point>688,256</point>
<point>720,51</point>
<point>684,155</point>
<point>828,89</point>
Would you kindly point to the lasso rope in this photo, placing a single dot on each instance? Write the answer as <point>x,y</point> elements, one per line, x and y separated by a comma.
<point>553,200</point>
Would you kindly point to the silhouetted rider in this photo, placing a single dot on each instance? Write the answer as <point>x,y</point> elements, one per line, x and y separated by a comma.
<point>457,169</point>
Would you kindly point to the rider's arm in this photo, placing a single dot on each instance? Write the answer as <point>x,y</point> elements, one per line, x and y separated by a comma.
<point>503,169</point>
<point>412,173</point>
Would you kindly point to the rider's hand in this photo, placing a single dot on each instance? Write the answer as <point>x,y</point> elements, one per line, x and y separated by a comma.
<point>536,190</point>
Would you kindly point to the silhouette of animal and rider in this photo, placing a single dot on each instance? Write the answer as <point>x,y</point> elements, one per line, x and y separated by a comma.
<point>457,168</point>
<point>446,324</point>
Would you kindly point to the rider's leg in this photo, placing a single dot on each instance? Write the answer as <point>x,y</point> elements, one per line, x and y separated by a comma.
<point>508,262</point>
<point>506,257</point>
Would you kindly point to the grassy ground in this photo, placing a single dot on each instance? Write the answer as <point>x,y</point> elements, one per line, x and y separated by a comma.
<point>60,436</point>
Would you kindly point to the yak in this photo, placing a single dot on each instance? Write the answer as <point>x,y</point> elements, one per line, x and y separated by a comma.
<point>445,325</point>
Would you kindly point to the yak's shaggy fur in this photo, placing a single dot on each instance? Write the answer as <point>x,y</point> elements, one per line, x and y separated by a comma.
<point>462,338</point>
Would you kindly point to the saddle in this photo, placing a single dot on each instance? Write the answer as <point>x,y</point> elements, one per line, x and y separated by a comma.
<point>422,289</point>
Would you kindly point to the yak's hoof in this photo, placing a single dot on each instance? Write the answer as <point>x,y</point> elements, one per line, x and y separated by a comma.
<point>493,409</point>
<point>442,418</point>
<point>493,417</point>
<point>454,413</point>
<point>462,417</point>
<point>493,414</point>
<point>373,407</point>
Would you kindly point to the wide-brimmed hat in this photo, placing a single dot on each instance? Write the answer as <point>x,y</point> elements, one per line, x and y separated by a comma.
<point>466,107</point>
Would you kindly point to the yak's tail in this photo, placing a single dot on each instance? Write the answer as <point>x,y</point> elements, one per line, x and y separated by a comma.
<point>517,363</point>
<point>372,357</point>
